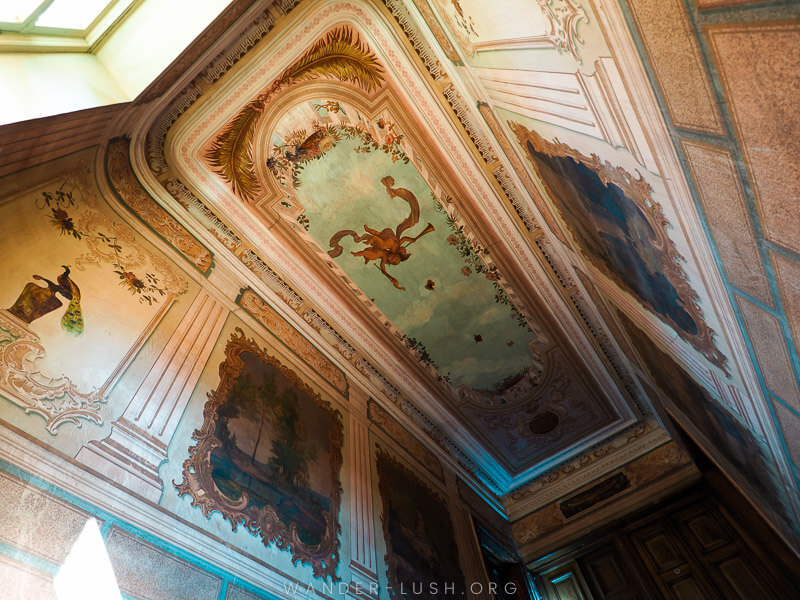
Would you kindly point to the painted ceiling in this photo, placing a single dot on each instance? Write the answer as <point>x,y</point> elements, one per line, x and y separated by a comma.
<point>468,210</point>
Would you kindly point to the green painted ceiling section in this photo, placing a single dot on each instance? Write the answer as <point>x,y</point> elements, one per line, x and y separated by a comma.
<point>342,190</point>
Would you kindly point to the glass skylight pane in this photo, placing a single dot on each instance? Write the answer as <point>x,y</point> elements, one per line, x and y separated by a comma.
<point>16,11</point>
<point>71,14</point>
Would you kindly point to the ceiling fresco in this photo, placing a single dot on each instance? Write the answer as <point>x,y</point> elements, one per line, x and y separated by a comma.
<point>329,150</point>
<point>455,266</point>
<point>431,214</point>
<point>370,209</point>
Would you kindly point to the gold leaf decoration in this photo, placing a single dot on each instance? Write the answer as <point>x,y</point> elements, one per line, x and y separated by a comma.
<point>339,55</point>
<point>231,155</point>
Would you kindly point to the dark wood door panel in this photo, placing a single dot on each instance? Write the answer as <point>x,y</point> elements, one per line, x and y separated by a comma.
<point>689,588</point>
<point>610,577</point>
<point>660,549</point>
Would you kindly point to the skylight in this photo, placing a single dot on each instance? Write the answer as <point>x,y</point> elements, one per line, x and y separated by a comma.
<point>19,11</point>
<point>26,21</point>
<point>71,14</point>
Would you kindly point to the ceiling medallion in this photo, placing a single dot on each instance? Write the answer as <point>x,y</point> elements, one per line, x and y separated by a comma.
<point>544,422</point>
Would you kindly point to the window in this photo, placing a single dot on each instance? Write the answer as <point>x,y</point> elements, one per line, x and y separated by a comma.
<point>69,25</point>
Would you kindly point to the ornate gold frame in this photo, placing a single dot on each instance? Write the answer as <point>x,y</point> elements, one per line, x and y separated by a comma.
<point>639,192</point>
<point>198,483</point>
<point>384,488</point>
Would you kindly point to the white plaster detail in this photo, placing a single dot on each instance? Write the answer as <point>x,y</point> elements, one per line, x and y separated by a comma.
<point>138,442</point>
<point>594,105</point>
<point>363,565</point>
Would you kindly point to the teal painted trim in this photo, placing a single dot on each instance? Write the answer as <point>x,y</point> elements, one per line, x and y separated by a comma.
<point>29,560</point>
<point>791,409</point>
<point>345,392</point>
<point>109,521</point>
<point>53,490</point>
<point>752,300</point>
<point>251,589</point>
<point>748,195</point>
<point>769,10</point>
<point>700,136</point>
<point>106,527</point>
<point>205,273</point>
<point>765,246</point>
<point>783,318</point>
<point>223,590</point>
<point>785,252</point>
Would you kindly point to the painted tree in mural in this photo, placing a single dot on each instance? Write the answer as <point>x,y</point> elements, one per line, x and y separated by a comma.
<point>290,455</point>
<point>261,405</point>
<point>268,457</point>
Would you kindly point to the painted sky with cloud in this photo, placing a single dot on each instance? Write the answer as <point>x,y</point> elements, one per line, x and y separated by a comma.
<point>466,332</point>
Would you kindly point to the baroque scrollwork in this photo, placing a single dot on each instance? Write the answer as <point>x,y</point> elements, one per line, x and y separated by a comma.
<point>57,399</point>
<point>622,231</point>
<point>131,192</point>
<point>276,325</point>
<point>284,485</point>
<point>564,16</point>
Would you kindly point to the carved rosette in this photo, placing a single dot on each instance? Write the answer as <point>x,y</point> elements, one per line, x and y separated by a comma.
<point>264,521</point>
<point>639,192</point>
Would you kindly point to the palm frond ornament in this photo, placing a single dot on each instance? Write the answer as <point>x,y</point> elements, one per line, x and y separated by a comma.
<point>340,55</point>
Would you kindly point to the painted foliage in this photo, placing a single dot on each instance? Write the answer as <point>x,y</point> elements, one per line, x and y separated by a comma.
<point>268,456</point>
<point>340,55</point>
<point>371,210</point>
<point>380,220</point>
<point>71,271</point>
<point>723,430</point>
<point>421,551</point>
<point>623,232</point>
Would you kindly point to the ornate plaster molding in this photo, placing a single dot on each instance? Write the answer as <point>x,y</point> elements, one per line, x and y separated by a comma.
<point>373,29</point>
<point>135,197</point>
<point>288,335</point>
<point>198,482</point>
<point>57,399</point>
<point>638,191</point>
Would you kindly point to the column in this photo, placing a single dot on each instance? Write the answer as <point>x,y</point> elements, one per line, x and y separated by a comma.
<point>475,576</point>
<point>138,442</point>
<point>363,576</point>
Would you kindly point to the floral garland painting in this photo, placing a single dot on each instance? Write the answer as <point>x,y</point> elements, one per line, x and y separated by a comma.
<point>62,310</point>
<point>341,55</point>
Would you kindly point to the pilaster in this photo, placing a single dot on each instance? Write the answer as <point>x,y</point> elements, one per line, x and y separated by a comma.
<point>363,576</point>
<point>138,442</point>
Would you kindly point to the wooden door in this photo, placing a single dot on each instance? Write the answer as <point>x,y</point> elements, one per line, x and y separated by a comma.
<point>610,576</point>
<point>565,582</point>
<point>696,553</point>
